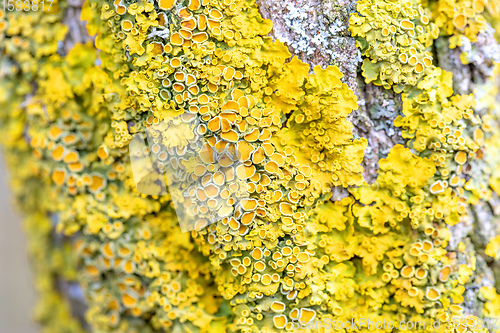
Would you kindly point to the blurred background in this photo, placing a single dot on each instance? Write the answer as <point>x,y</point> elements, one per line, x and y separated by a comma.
<point>17,297</point>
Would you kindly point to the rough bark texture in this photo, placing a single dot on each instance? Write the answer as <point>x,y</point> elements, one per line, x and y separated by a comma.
<point>317,32</point>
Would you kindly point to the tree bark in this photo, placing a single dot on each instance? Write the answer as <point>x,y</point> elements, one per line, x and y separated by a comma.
<point>316,31</point>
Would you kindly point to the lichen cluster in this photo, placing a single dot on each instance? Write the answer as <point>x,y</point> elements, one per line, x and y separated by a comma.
<point>28,42</point>
<point>395,37</point>
<point>492,14</point>
<point>251,144</point>
<point>227,83</point>
<point>460,19</point>
<point>204,64</point>
<point>456,134</point>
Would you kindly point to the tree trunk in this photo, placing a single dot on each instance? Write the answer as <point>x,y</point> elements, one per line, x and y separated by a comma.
<point>107,248</point>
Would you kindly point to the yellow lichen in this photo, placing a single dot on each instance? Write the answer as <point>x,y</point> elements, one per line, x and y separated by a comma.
<point>187,116</point>
<point>445,129</point>
<point>395,37</point>
<point>459,19</point>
